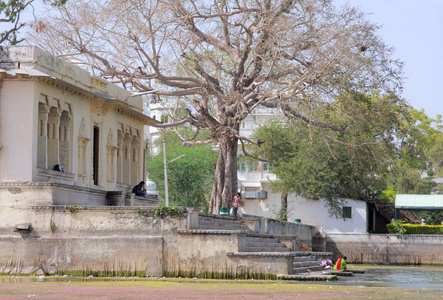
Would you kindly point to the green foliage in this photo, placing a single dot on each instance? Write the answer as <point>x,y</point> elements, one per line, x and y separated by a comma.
<point>320,163</point>
<point>163,210</point>
<point>414,229</point>
<point>73,208</point>
<point>419,150</point>
<point>397,227</point>
<point>432,217</point>
<point>143,212</point>
<point>190,177</point>
<point>387,196</point>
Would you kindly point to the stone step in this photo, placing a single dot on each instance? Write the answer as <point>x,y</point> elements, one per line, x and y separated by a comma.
<point>265,244</point>
<point>307,269</point>
<point>250,239</point>
<point>220,227</point>
<point>267,249</point>
<point>304,258</point>
<point>300,264</point>
<point>308,277</point>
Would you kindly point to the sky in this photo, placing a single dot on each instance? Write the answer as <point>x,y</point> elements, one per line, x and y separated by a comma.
<point>414,28</point>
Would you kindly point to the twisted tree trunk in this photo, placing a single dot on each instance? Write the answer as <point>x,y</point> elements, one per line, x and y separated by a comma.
<point>225,179</point>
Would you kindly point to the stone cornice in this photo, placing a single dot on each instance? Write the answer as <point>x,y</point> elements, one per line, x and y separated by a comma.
<point>102,105</point>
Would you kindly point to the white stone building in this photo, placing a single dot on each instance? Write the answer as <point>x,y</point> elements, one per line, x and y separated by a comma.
<point>53,112</point>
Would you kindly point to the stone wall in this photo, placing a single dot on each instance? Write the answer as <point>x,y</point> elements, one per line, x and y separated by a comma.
<point>387,248</point>
<point>120,240</point>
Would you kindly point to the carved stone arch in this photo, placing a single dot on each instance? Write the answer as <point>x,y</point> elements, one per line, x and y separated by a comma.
<point>120,134</point>
<point>42,134</point>
<point>82,132</point>
<point>83,141</point>
<point>135,154</point>
<point>127,158</point>
<point>65,139</point>
<point>53,132</point>
<point>111,148</point>
<point>111,140</point>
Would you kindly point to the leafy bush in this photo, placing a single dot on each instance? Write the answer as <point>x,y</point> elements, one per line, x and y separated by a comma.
<point>163,210</point>
<point>72,208</point>
<point>415,229</point>
<point>397,227</point>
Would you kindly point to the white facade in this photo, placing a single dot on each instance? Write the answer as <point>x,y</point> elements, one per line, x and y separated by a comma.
<point>254,181</point>
<point>53,112</point>
<point>310,212</point>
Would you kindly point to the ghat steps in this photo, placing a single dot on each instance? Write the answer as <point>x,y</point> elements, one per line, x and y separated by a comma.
<point>259,246</point>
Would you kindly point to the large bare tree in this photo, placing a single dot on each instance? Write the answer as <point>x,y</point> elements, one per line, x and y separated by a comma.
<point>226,57</point>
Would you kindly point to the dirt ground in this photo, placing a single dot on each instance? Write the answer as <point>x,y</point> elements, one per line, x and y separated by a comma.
<point>199,289</point>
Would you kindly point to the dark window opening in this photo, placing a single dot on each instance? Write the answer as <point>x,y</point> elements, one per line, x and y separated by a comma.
<point>347,212</point>
<point>95,158</point>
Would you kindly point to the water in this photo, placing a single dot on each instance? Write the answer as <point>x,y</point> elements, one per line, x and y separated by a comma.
<point>398,276</point>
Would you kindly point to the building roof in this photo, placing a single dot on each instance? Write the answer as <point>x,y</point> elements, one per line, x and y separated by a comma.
<point>31,61</point>
<point>418,201</point>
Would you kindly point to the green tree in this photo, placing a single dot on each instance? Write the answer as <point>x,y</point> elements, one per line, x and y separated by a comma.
<point>311,165</point>
<point>419,148</point>
<point>189,177</point>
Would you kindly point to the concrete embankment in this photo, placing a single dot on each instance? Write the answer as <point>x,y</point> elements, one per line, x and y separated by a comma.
<point>129,241</point>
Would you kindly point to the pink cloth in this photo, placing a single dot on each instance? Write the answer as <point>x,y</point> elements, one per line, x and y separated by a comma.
<point>236,201</point>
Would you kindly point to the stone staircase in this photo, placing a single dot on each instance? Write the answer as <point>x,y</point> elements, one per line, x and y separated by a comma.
<point>305,264</point>
<point>263,244</point>
<point>256,246</point>
<point>220,223</point>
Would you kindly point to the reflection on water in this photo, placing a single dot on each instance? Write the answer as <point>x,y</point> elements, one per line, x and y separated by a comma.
<point>399,276</point>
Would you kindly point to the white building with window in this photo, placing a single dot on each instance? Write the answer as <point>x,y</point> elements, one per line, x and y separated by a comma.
<point>258,199</point>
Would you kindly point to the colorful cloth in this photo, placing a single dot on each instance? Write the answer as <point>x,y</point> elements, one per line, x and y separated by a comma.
<point>340,265</point>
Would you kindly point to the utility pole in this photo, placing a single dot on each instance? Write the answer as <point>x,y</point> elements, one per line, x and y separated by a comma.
<point>165,166</point>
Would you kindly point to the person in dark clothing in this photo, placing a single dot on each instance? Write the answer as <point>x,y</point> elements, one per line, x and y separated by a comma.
<point>139,189</point>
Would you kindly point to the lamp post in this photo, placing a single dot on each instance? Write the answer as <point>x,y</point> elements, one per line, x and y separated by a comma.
<point>141,94</point>
<point>165,166</point>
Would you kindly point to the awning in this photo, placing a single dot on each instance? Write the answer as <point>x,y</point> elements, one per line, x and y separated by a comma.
<point>428,202</point>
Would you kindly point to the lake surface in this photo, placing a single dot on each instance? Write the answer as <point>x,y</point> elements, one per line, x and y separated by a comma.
<point>395,276</point>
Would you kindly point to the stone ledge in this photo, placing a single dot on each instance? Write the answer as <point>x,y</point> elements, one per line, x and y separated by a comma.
<point>280,254</point>
<point>308,277</point>
<point>209,231</point>
<point>227,217</point>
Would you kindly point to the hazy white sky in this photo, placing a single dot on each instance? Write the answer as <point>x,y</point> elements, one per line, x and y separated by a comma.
<point>415,29</point>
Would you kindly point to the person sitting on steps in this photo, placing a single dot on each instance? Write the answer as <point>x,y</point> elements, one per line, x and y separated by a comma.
<point>340,265</point>
<point>139,189</point>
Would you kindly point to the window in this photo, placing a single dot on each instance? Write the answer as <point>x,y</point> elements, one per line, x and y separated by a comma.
<point>347,212</point>
<point>95,155</point>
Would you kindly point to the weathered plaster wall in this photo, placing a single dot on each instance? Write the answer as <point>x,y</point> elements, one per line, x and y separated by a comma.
<point>118,240</point>
<point>16,130</point>
<point>310,212</point>
<point>387,248</point>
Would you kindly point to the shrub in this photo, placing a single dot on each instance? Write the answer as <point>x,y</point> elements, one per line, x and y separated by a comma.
<point>163,210</point>
<point>415,229</point>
